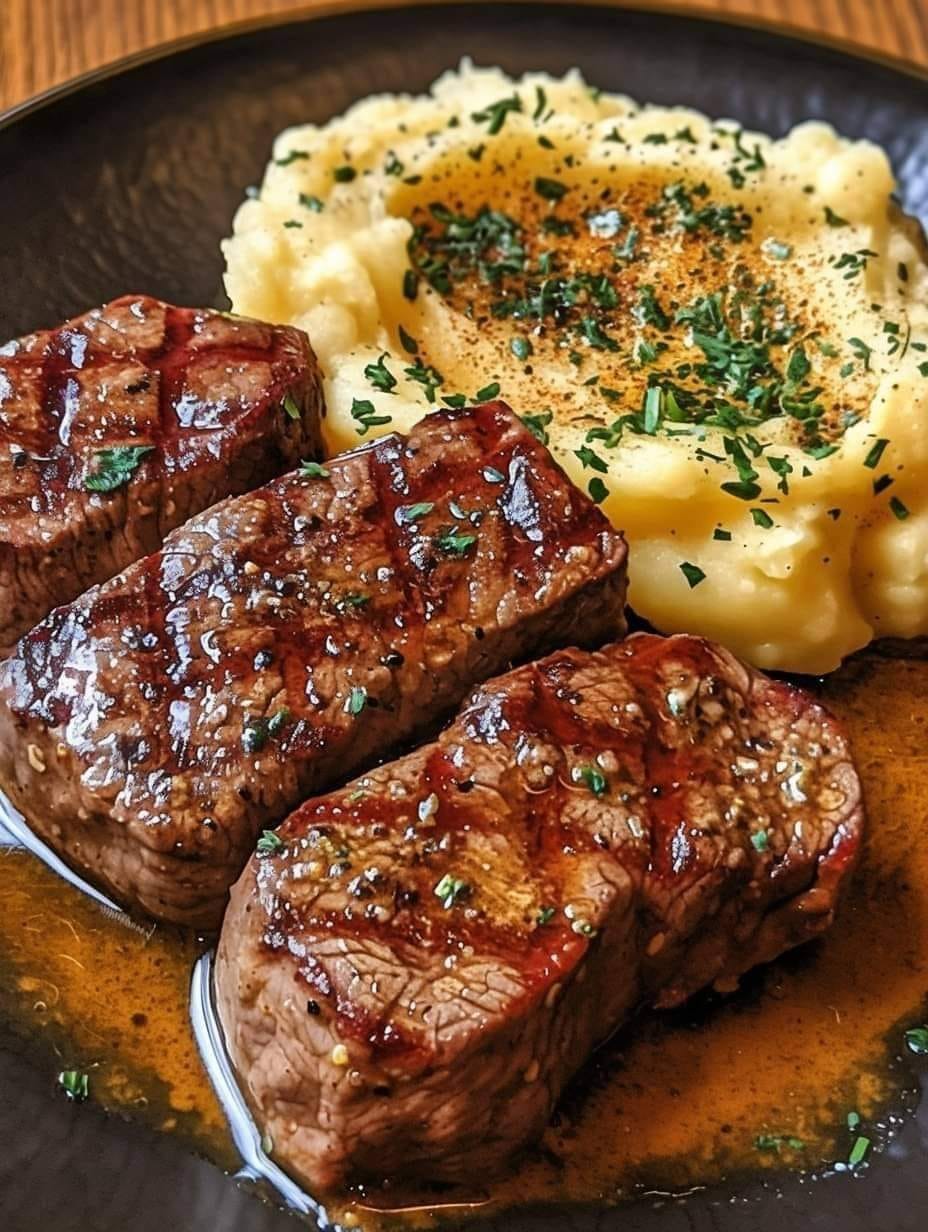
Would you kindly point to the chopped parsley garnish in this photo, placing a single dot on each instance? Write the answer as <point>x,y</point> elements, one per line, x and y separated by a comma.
<point>861,350</point>
<point>545,915</point>
<point>597,490</point>
<point>745,160</point>
<point>314,470</point>
<point>451,890</point>
<point>693,574</point>
<point>269,844</point>
<point>648,311</point>
<point>291,406</point>
<point>594,779</point>
<point>365,415</point>
<point>357,700</point>
<point>833,219</point>
<point>520,347</point>
<point>409,343</point>
<point>759,841</point>
<point>393,166</point>
<point>723,536</point>
<point>380,376</point>
<point>541,102</point>
<point>551,190</point>
<point>858,1151</point>
<point>494,116</point>
<point>257,732</point>
<point>655,139</point>
<point>410,284</point>
<point>452,543</point>
<point>492,475</point>
<point>538,424</point>
<point>292,222</point>
<point>853,263</point>
<point>353,601</point>
<point>413,513</point>
<point>311,202</point>
<point>426,376</point>
<point>872,459</point>
<point>75,1084</point>
<point>762,518</point>
<point>776,1142</point>
<point>488,393</point>
<point>589,458</point>
<point>344,174</point>
<point>291,157</point>
<point>899,510</point>
<point>916,1039</point>
<point>115,467</point>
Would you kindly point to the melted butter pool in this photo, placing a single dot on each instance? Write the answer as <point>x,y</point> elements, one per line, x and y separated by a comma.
<point>674,1101</point>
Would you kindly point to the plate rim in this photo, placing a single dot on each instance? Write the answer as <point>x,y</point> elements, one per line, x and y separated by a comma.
<point>304,14</point>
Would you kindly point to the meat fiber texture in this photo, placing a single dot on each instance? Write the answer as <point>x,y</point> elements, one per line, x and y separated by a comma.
<point>199,405</point>
<point>412,968</point>
<point>285,639</point>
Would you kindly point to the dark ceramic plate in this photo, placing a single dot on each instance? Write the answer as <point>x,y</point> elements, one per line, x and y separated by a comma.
<point>126,182</point>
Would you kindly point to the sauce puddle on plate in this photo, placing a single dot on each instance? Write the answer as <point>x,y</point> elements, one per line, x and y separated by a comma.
<point>762,1080</point>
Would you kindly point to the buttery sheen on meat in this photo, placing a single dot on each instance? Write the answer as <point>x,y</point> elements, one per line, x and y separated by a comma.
<point>412,968</point>
<point>122,423</point>
<point>283,640</point>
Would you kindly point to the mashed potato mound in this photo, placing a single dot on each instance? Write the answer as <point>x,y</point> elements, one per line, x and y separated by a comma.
<point>722,337</point>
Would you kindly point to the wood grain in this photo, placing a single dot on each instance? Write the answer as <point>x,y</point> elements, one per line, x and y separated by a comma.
<point>43,42</point>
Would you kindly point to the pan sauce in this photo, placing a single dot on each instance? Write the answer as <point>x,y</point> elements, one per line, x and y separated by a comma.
<point>674,1101</point>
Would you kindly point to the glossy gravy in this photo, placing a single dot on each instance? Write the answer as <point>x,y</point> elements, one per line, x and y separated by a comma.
<point>765,1079</point>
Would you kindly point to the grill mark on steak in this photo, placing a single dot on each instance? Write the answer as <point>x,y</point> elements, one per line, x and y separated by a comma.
<point>309,603</point>
<point>466,950</point>
<point>204,391</point>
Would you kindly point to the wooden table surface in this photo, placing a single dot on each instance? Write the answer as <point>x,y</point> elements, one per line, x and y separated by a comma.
<point>46,41</point>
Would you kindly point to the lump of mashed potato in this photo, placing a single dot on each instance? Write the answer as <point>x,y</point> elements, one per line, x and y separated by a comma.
<point>722,337</point>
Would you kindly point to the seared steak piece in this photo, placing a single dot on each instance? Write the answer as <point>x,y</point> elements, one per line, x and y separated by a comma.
<point>121,424</point>
<point>285,639</point>
<point>411,968</point>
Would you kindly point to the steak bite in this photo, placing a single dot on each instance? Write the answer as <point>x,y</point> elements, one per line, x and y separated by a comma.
<point>285,639</point>
<point>121,424</point>
<point>412,968</point>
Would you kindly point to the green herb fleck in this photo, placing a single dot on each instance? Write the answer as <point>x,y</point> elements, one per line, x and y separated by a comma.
<point>314,470</point>
<point>413,513</point>
<point>409,343</point>
<point>357,700</point>
<point>916,1039</point>
<point>75,1084</point>
<point>454,544</point>
<point>344,174</point>
<point>551,190</point>
<point>594,779</point>
<point>365,414</point>
<point>597,490</point>
<point>451,890</point>
<point>693,574</point>
<point>488,393</point>
<point>115,467</point>
<point>872,459</point>
<point>380,376</point>
<point>858,1151</point>
<point>292,157</point>
<point>494,116</point>
<point>311,202</point>
<point>269,844</point>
